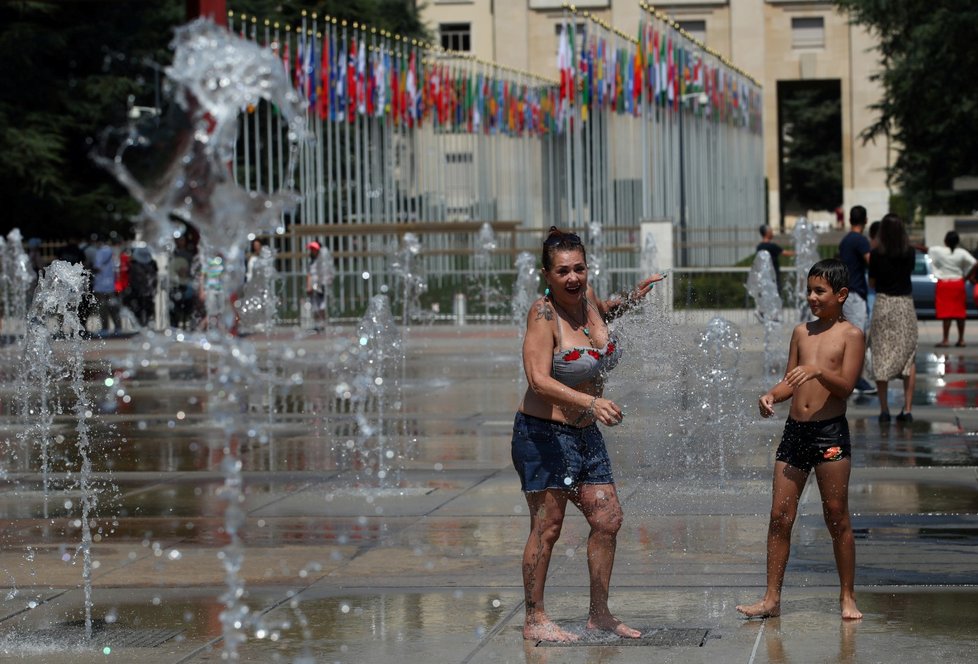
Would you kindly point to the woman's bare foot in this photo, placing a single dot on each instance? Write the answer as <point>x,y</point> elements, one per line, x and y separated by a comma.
<point>762,609</point>
<point>609,623</point>
<point>547,630</point>
<point>849,610</point>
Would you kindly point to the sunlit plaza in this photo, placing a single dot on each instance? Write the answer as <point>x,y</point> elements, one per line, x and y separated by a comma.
<point>269,481</point>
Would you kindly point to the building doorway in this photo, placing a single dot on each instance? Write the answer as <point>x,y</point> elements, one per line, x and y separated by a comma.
<point>809,148</point>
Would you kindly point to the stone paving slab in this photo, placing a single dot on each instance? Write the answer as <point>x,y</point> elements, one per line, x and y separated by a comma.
<point>429,572</point>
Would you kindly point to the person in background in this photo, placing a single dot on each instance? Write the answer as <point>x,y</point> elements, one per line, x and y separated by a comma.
<point>893,328</point>
<point>874,234</point>
<point>318,281</point>
<point>183,294</point>
<point>253,256</point>
<point>854,254</point>
<point>768,244</point>
<point>143,281</point>
<point>103,285</point>
<point>952,267</point>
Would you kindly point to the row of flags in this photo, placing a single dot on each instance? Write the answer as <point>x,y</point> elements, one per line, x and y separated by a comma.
<point>343,77</point>
<point>660,69</point>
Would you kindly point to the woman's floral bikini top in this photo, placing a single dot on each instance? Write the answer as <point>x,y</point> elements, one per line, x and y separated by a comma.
<point>581,364</point>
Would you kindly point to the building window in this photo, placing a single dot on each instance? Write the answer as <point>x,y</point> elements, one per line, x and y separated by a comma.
<point>696,29</point>
<point>808,32</point>
<point>456,36</point>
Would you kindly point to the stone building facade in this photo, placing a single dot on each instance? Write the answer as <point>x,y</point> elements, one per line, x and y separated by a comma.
<point>772,40</point>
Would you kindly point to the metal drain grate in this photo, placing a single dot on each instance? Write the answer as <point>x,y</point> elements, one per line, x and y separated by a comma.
<point>103,635</point>
<point>668,637</point>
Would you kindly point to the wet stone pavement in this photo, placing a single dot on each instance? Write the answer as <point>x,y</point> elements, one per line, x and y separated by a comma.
<point>423,564</point>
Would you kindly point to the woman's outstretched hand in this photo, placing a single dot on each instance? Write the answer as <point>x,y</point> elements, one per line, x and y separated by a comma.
<point>644,287</point>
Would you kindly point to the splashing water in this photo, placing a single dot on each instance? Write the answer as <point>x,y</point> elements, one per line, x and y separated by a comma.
<point>15,281</point>
<point>259,299</point>
<point>526,289</point>
<point>182,169</point>
<point>806,255</point>
<point>485,246</point>
<point>720,343</point>
<point>54,316</point>
<point>597,275</point>
<point>179,170</point>
<point>376,387</point>
<point>762,285</point>
<point>407,270</point>
<point>650,255</point>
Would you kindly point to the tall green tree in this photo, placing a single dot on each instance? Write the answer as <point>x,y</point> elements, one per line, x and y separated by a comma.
<point>930,95</point>
<point>68,70</point>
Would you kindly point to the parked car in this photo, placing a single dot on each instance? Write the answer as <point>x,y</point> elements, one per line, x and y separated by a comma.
<point>924,284</point>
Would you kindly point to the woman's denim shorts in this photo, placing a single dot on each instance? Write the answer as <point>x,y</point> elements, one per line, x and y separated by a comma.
<point>551,455</point>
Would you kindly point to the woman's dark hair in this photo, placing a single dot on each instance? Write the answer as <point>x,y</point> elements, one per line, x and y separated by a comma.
<point>952,239</point>
<point>558,240</point>
<point>833,271</point>
<point>893,236</point>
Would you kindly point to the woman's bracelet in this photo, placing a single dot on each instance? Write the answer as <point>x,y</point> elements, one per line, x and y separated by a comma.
<point>586,412</point>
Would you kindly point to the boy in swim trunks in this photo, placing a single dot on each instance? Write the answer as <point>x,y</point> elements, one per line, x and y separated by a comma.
<point>825,358</point>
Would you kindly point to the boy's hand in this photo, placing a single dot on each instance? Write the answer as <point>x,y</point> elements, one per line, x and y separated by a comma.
<point>802,374</point>
<point>766,405</point>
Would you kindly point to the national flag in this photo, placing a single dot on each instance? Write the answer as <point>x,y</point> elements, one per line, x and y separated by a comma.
<point>339,108</point>
<point>286,56</point>
<point>362,77</point>
<point>380,83</point>
<point>310,66</point>
<point>564,56</point>
<point>323,92</point>
<point>412,91</point>
<point>586,65</point>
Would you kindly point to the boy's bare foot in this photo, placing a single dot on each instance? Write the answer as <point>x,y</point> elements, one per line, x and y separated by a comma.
<point>762,609</point>
<point>547,630</point>
<point>609,623</point>
<point>849,610</point>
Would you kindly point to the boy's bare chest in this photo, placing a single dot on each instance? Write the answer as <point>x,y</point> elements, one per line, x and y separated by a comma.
<point>822,349</point>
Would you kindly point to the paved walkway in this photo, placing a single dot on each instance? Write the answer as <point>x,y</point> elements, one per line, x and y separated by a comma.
<point>423,566</point>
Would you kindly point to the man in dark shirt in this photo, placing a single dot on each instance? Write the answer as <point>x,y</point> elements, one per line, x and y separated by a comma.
<point>770,246</point>
<point>854,252</point>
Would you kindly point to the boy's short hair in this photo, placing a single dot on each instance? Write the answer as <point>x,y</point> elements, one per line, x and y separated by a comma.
<point>833,271</point>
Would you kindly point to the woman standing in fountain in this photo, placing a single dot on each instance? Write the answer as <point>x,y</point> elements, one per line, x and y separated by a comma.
<point>557,448</point>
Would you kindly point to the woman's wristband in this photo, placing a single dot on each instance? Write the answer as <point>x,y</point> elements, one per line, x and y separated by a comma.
<point>589,411</point>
